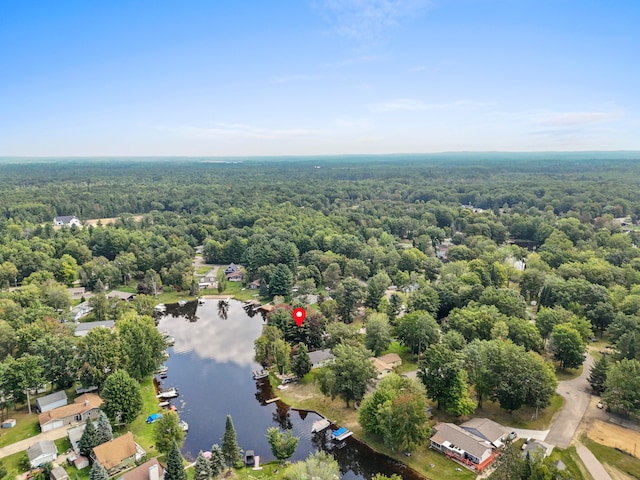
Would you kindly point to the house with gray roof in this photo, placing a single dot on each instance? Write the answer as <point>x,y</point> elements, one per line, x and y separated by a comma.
<point>320,358</point>
<point>491,431</point>
<point>42,452</point>
<point>49,402</point>
<point>468,449</point>
<point>83,328</point>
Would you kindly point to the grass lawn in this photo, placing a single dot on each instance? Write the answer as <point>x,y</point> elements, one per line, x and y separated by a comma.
<point>306,395</point>
<point>11,463</point>
<point>142,431</point>
<point>572,460</point>
<point>26,426</point>
<point>620,460</point>
<point>63,444</point>
<point>569,373</point>
<point>522,418</point>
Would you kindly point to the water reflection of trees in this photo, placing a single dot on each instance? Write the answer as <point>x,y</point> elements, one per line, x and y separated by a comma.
<point>281,416</point>
<point>223,309</point>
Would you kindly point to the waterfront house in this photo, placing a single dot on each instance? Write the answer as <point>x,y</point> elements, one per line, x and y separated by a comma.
<point>462,446</point>
<point>320,358</point>
<point>83,328</point>
<point>119,453</point>
<point>150,470</point>
<point>491,431</point>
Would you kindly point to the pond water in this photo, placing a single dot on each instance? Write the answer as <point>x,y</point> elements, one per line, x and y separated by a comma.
<point>211,365</point>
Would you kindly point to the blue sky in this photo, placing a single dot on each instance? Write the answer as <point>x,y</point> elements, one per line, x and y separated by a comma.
<point>305,77</point>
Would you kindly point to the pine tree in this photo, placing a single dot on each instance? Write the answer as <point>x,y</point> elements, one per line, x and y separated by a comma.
<point>104,431</point>
<point>216,462</point>
<point>230,447</point>
<point>89,439</point>
<point>175,469</point>
<point>98,472</point>
<point>202,468</point>
<point>598,375</point>
<point>301,362</point>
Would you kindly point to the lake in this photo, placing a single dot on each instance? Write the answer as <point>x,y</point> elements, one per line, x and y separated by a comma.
<point>211,365</point>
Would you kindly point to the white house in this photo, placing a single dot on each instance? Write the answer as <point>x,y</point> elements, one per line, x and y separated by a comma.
<point>67,221</point>
<point>320,358</point>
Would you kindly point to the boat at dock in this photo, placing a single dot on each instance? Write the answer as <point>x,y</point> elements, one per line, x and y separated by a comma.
<point>161,370</point>
<point>169,340</point>
<point>168,393</point>
<point>201,301</point>
<point>161,308</point>
<point>165,404</point>
<point>341,434</point>
<point>257,375</point>
<point>184,426</point>
<point>182,303</point>
<point>320,425</point>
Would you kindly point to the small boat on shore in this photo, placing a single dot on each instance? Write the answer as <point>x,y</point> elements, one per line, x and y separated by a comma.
<point>161,370</point>
<point>164,404</point>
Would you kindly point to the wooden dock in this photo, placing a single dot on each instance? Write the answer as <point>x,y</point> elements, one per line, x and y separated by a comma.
<point>271,400</point>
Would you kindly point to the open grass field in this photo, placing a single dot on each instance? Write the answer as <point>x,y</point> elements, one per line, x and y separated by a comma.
<point>572,460</point>
<point>610,457</point>
<point>142,431</point>
<point>108,221</point>
<point>615,436</point>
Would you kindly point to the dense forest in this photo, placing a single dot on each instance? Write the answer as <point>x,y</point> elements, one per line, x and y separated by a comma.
<point>504,265</point>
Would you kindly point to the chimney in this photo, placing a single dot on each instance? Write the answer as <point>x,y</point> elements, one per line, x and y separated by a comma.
<point>86,403</point>
<point>154,472</point>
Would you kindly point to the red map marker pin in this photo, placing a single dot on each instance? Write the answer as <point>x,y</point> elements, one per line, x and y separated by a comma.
<point>298,315</point>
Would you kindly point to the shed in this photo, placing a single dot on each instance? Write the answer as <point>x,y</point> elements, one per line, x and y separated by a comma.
<point>59,473</point>
<point>42,452</point>
<point>9,423</point>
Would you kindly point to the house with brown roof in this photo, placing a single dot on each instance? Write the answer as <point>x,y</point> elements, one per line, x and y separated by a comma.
<point>150,470</point>
<point>391,359</point>
<point>119,453</point>
<point>382,368</point>
<point>83,407</point>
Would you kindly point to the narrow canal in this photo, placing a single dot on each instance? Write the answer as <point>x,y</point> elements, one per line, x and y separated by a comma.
<point>211,365</point>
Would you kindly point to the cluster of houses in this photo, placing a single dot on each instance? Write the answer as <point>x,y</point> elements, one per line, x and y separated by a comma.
<point>383,364</point>
<point>115,456</point>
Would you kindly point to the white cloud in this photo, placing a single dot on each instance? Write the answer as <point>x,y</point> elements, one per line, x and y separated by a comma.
<point>412,104</point>
<point>242,131</point>
<point>367,19</point>
<point>571,119</point>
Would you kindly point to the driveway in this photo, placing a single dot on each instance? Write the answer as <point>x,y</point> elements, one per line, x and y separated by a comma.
<point>577,397</point>
<point>22,445</point>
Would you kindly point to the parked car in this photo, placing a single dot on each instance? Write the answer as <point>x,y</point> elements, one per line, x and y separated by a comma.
<point>600,405</point>
<point>513,435</point>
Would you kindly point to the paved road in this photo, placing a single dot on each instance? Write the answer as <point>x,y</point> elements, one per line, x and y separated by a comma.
<point>22,445</point>
<point>577,396</point>
<point>595,468</point>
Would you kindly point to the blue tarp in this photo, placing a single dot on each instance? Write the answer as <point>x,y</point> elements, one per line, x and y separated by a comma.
<point>153,417</point>
<point>340,431</point>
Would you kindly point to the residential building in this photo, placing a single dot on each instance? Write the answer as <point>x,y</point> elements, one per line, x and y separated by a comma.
<point>491,431</point>
<point>391,359</point>
<point>126,296</point>
<point>42,452</point>
<point>83,328</point>
<point>51,401</point>
<point>382,368</point>
<point>466,448</point>
<point>67,221</point>
<point>320,358</point>
<point>83,407</point>
<point>119,453</point>
<point>150,470</point>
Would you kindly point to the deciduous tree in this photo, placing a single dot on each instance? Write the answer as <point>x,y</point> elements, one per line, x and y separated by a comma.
<point>122,397</point>
<point>283,444</point>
